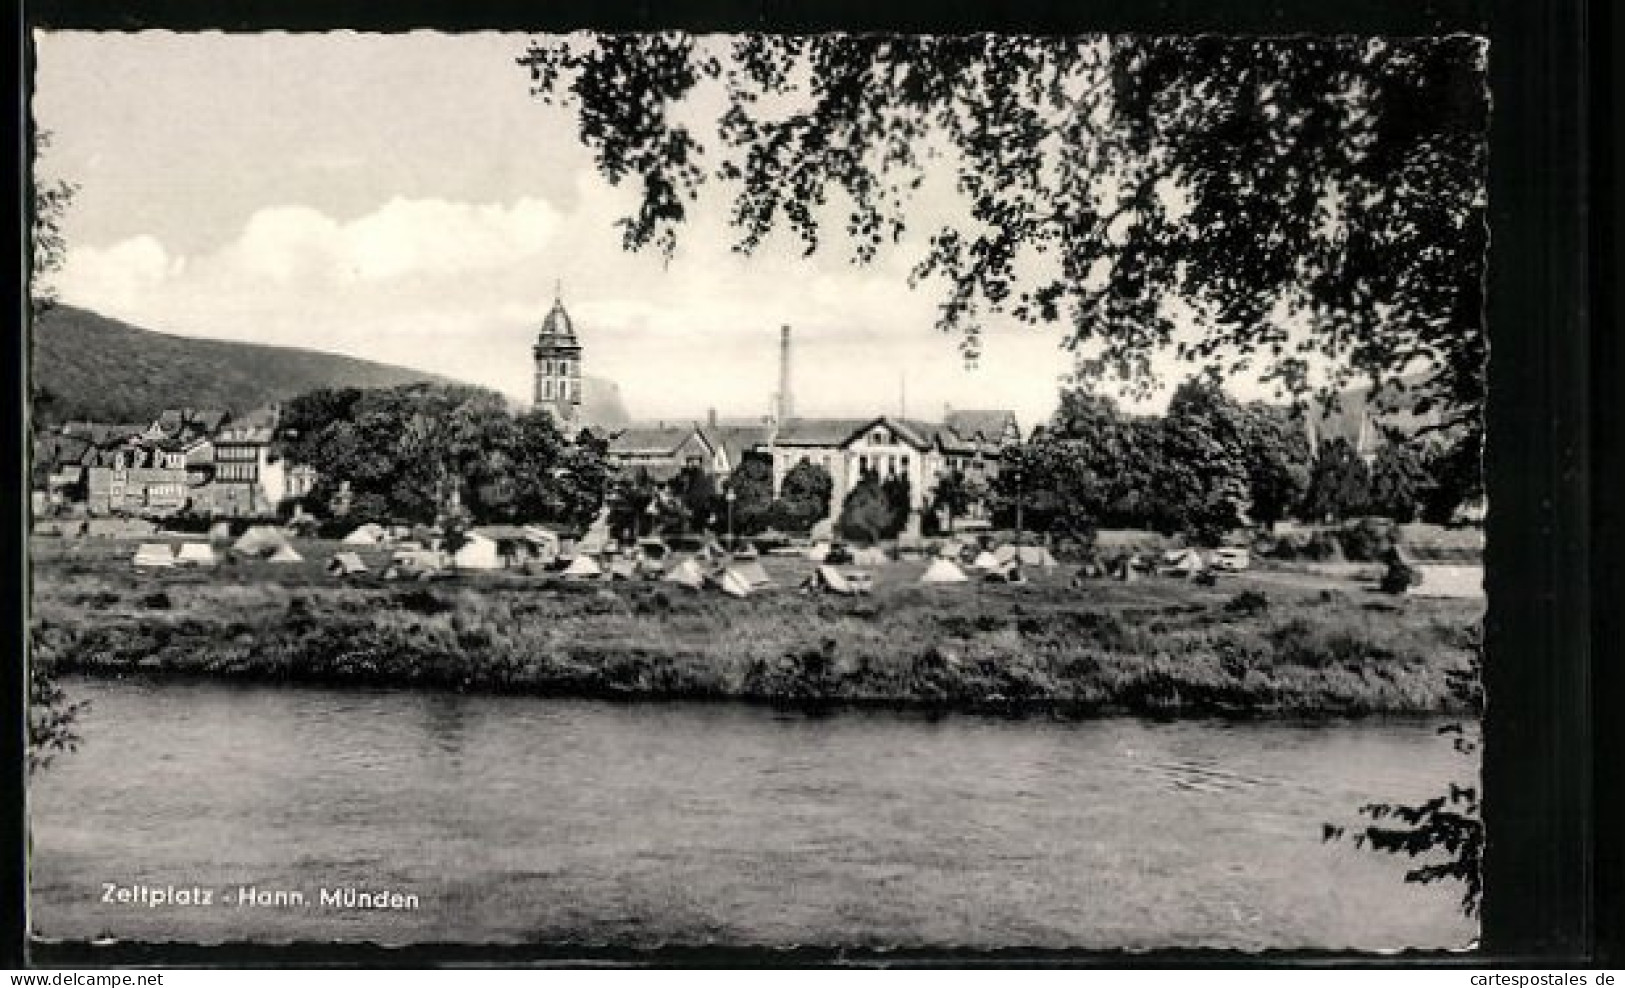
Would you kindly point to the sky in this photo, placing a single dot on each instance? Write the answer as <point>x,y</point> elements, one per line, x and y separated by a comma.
<point>404,198</point>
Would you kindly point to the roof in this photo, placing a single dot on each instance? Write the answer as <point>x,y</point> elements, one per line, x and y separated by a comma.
<point>557,330</point>
<point>818,432</point>
<point>102,433</point>
<point>735,440</point>
<point>988,423</point>
<point>652,439</point>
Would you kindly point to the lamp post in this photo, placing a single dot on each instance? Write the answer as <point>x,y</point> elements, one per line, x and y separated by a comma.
<point>728,495</point>
<point>1018,505</point>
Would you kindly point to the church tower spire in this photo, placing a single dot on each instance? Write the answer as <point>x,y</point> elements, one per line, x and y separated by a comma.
<point>558,365</point>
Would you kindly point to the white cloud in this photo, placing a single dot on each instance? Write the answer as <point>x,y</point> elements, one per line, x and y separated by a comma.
<point>417,237</point>
<point>121,274</point>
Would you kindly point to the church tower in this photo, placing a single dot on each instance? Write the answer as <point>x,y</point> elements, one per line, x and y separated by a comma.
<point>558,367</point>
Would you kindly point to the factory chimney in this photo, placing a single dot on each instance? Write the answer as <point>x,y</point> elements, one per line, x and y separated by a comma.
<point>787,408</point>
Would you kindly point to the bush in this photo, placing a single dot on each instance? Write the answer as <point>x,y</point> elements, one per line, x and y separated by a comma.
<point>1248,602</point>
<point>1367,540</point>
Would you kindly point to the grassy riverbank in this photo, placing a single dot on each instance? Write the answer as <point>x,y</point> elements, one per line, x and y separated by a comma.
<point>1157,646</point>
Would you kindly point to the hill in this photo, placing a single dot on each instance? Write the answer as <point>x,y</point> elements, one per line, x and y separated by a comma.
<point>88,366</point>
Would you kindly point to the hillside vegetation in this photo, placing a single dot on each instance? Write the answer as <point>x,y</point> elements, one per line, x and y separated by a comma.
<point>88,366</point>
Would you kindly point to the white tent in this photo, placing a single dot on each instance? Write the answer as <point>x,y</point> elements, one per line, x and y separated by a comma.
<point>582,567</point>
<point>478,552</point>
<point>261,540</point>
<point>623,569</point>
<point>346,563</point>
<point>286,554</point>
<point>1035,555</point>
<point>688,574</point>
<point>872,556</point>
<point>1181,562</point>
<point>823,531</point>
<point>220,531</point>
<point>734,584</point>
<point>754,575</point>
<point>195,554</point>
<point>154,555</point>
<point>943,571</point>
<point>985,561</point>
<point>831,579</point>
<point>368,534</point>
<point>596,539</point>
<point>819,552</point>
<point>1459,582</point>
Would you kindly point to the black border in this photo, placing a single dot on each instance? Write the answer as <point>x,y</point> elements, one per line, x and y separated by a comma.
<point>1539,770</point>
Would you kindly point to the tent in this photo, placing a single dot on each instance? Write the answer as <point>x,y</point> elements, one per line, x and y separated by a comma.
<point>286,554</point>
<point>754,575</point>
<point>478,552</point>
<point>834,581</point>
<point>943,571</point>
<point>369,534</point>
<point>195,554</point>
<point>220,531</point>
<point>734,584</point>
<point>623,569</point>
<point>1035,555</point>
<point>596,539</point>
<point>261,540</point>
<point>154,554</point>
<point>823,531</point>
<point>582,567</point>
<point>345,564</point>
<point>1459,582</point>
<point>985,561</point>
<point>1181,562</point>
<point>872,556</point>
<point>687,574</point>
<point>818,552</point>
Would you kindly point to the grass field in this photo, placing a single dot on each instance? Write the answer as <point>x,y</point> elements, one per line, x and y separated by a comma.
<point>1271,643</point>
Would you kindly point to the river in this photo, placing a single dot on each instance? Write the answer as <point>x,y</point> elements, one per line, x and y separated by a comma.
<point>514,819</point>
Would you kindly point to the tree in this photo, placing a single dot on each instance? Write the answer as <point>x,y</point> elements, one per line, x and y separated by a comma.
<point>951,497</point>
<point>1203,479</point>
<point>695,491</point>
<point>868,514</point>
<point>48,249</point>
<point>804,497</point>
<point>1455,475</point>
<point>752,486</point>
<point>1279,463</point>
<point>1398,482</point>
<point>51,714</point>
<point>403,453</point>
<point>1340,486</point>
<point>1298,197</point>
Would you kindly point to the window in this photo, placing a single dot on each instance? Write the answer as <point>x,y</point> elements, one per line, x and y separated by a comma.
<point>905,464</point>
<point>547,390</point>
<point>878,438</point>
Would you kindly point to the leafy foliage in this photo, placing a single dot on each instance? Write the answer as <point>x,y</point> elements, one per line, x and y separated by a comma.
<point>804,498</point>
<point>1399,481</point>
<point>51,716</point>
<point>1448,828</point>
<point>1340,486</point>
<point>874,509</point>
<point>1299,197</point>
<point>403,453</point>
<point>752,485</point>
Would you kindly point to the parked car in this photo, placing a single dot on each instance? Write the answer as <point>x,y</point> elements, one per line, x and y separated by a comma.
<point>1231,559</point>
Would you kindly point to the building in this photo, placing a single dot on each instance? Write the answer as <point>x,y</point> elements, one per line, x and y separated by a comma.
<point>921,452</point>
<point>558,367</point>
<point>248,476</point>
<point>137,479</point>
<point>662,451</point>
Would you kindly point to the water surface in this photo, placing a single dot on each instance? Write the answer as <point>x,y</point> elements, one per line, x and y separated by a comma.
<point>518,819</point>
